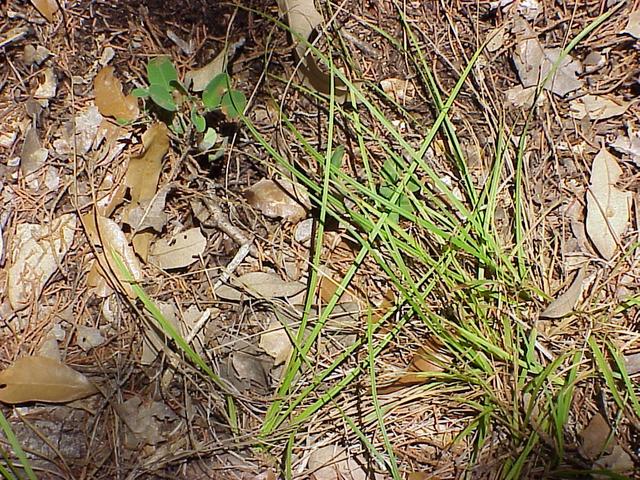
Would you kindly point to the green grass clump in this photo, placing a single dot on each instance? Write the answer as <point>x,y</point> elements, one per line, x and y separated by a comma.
<point>455,271</point>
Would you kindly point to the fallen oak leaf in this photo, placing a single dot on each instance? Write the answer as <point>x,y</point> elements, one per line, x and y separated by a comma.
<point>279,199</point>
<point>304,19</point>
<point>43,379</point>
<point>47,8</point>
<point>110,100</point>
<point>143,175</point>
<point>607,206</point>
<point>566,302</point>
<point>596,107</point>
<point>179,251</point>
<point>107,234</point>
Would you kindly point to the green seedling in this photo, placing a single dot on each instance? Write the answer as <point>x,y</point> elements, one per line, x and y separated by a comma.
<point>168,93</point>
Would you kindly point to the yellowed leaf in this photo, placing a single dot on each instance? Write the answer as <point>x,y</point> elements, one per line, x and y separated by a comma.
<point>607,206</point>
<point>47,8</point>
<point>109,97</point>
<point>42,379</point>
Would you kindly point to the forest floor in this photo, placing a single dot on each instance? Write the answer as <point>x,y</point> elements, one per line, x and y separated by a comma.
<point>407,249</point>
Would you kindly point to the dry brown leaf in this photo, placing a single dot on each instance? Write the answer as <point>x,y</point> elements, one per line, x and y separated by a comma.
<point>607,206</point>
<point>179,251</point>
<point>617,461</point>
<point>275,341</point>
<point>596,107</point>
<point>279,199</point>
<point>149,214</point>
<point>629,146</point>
<point>145,421</point>
<point>154,340</point>
<point>398,88</point>
<point>633,25</point>
<point>595,437</point>
<point>37,253</point>
<point>333,462</point>
<point>109,97</point>
<point>426,359</point>
<point>107,234</point>
<point>143,174</point>
<point>32,156</point>
<point>47,8</point>
<point>566,302</point>
<point>521,97</point>
<point>198,79</point>
<point>303,19</point>
<point>261,284</point>
<point>42,379</point>
<point>534,63</point>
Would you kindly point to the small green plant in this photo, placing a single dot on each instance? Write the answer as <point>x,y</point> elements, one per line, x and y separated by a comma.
<point>391,176</point>
<point>168,93</point>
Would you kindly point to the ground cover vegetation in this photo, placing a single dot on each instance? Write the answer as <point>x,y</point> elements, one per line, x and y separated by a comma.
<point>319,240</point>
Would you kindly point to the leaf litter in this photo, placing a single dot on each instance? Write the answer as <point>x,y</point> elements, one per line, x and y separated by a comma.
<point>150,216</point>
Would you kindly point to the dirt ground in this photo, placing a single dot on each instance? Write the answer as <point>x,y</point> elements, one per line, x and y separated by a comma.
<point>159,415</point>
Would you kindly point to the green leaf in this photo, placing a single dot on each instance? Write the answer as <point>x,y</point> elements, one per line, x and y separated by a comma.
<point>160,71</point>
<point>209,140</point>
<point>140,92</point>
<point>337,156</point>
<point>212,95</point>
<point>390,171</point>
<point>162,97</point>
<point>233,103</point>
<point>198,121</point>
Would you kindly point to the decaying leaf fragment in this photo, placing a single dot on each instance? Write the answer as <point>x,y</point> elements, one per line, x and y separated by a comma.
<point>607,206</point>
<point>279,199</point>
<point>534,63</point>
<point>629,146</point>
<point>304,19</point>
<point>276,342</point>
<point>179,251</point>
<point>109,97</point>
<point>597,107</point>
<point>37,252</point>
<point>633,25</point>
<point>42,379</point>
<point>566,302</point>
<point>47,8</point>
